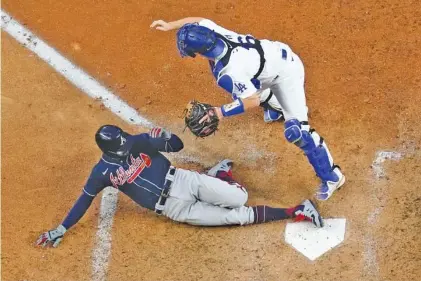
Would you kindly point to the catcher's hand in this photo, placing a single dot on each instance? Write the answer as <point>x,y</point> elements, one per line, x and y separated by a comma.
<point>201,118</point>
<point>53,236</point>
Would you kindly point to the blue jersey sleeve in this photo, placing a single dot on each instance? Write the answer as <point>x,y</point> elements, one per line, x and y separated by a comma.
<point>95,184</point>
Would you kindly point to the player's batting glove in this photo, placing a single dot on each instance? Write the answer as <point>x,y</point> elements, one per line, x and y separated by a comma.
<point>53,236</point>
<point>159,132</point>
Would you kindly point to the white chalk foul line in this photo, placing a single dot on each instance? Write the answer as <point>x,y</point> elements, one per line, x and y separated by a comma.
<point>102,249</point>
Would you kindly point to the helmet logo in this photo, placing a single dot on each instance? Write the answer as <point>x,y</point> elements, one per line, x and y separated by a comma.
<point>123,140</point>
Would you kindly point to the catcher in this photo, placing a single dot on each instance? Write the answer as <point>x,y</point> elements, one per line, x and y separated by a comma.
<point>135,166</point>
<point>248,68</point>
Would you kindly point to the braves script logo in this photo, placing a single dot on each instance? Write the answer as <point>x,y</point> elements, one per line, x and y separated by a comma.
<point>138,164</point>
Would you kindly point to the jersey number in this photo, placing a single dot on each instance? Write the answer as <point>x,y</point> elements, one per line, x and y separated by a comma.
<point>249,40</point>
<point>245,41</point>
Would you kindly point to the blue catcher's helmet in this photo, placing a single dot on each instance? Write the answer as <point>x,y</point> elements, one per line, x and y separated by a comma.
<point>112,140</point>
<point>193,38</point>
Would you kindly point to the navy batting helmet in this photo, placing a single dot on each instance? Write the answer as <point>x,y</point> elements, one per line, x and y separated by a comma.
<point>112,140</point>
<point>193,38</point>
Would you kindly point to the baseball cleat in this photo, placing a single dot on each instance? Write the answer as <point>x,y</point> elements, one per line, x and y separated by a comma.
<point>308,212</point>
<point>224,165</point>
<point>327,188</point>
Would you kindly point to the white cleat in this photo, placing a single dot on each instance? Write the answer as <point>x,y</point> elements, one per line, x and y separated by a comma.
<point>224,165</point>
<point>308,212</point>
<point>327,188</point>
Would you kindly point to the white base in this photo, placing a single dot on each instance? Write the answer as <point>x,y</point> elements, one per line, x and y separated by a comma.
<point>313,242</point>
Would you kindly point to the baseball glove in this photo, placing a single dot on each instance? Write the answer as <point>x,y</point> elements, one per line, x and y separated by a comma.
<point>194,112</point>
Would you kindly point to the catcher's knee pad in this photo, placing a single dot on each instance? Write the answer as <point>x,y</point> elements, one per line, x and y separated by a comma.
<point>313,146</point>
<point>292,131</point>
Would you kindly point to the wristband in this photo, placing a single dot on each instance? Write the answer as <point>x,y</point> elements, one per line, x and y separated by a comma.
<point>61,228</point>
<point>234,108</point>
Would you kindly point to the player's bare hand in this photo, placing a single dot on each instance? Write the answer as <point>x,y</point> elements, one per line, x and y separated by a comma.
<point>52,237</point>
<point>216,110</point>
<point>162,25</point>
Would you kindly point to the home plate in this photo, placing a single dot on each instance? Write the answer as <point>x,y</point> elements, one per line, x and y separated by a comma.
<point>313,242</point>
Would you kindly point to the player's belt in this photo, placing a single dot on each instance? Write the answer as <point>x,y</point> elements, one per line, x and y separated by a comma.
<point>169,179</point>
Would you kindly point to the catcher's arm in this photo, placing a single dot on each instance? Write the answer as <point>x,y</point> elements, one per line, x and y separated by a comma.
<point>167,26</point>
<point>238,106</point>
<point>244,93</point>
<point>251,102</point>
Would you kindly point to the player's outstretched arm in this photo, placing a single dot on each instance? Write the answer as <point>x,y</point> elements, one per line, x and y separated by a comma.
<point>97,181</point>
<point>244,93</point>
<point>55,236</point>
<point>238,106</point>
<point>167,26</point>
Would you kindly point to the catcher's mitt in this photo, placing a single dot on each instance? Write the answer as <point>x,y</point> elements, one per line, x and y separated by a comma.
<point>194,112</point>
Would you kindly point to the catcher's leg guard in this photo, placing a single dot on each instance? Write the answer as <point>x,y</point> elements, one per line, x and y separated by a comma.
<point>318,155</point>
